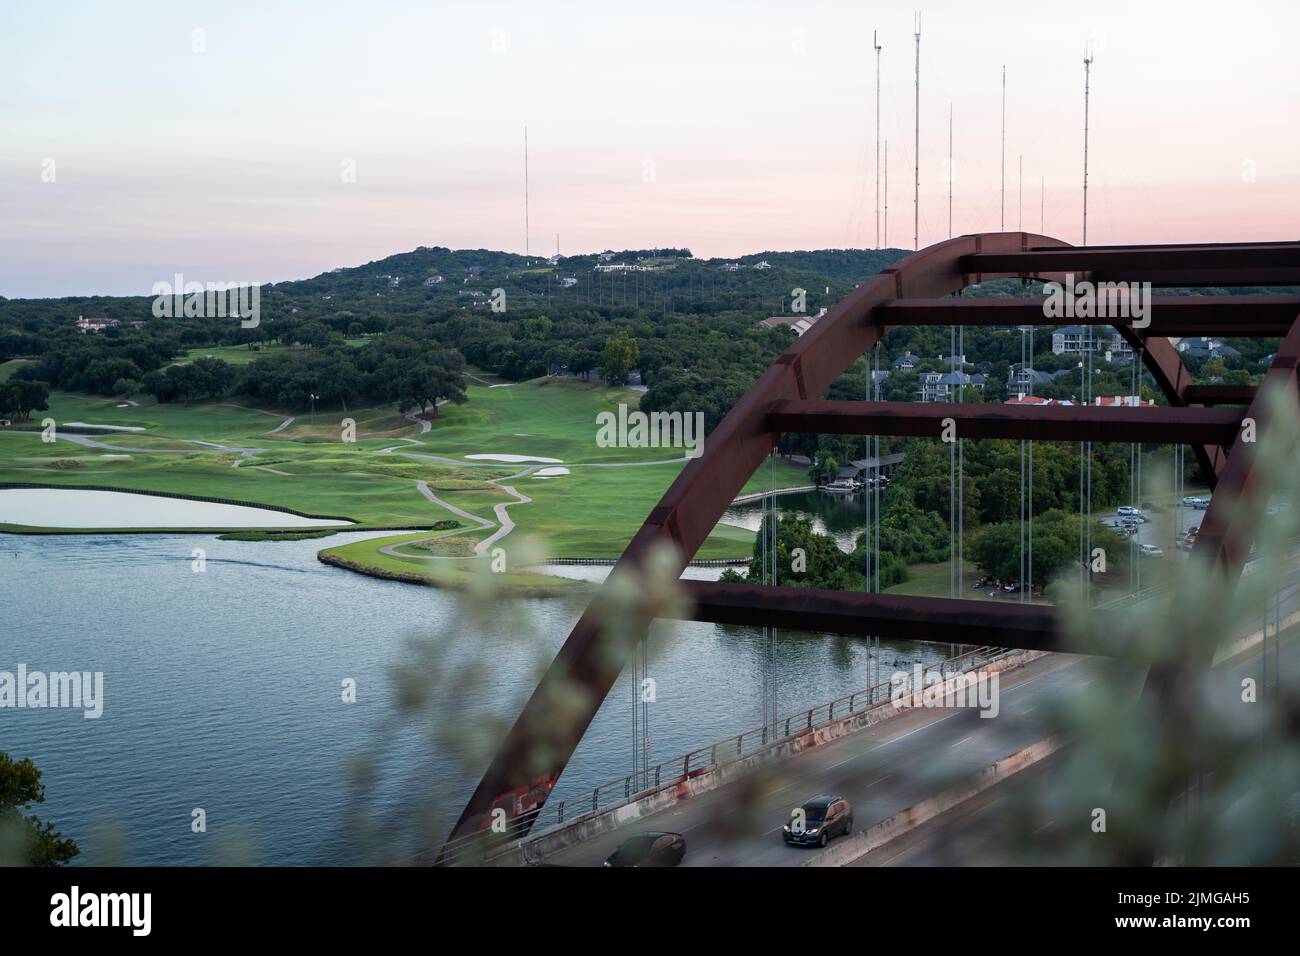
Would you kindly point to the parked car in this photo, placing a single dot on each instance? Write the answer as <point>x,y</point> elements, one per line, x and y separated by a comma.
<point>817,821</point>
<point>649,849</point>
<point>1150,551</point>
<point>1127,510</point>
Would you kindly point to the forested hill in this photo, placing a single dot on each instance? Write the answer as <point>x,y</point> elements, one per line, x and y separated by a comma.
<point>692,325</point>
<point>434,276</point>
<point>690,328</point>
<point>665,278</point>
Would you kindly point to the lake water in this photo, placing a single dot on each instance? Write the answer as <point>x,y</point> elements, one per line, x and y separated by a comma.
<point>79,508</point>
<point>840,516</point>
<point>222,691</point>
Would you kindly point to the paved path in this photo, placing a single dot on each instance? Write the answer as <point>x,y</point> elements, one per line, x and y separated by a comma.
<point>481,549</point>
<point>507,525</point>
<point>424,423</point>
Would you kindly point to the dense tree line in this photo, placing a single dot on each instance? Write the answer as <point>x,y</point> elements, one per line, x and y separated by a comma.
<point>395,368</point>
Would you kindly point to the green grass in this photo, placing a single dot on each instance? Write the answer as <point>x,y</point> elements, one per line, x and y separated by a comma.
<point>363,557</point>
<point>591,512</point>
<point>242,354</point>
<point>233,354</point>
<point>547,417</point>
<point>275,535</point>
<point>932,580</point>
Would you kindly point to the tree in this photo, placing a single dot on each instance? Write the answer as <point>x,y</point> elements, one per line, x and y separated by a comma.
<point>432,380</point>
<point>24,839</point>
<point>619,358</point>
<point>23,396</point>
<point>584,361</point>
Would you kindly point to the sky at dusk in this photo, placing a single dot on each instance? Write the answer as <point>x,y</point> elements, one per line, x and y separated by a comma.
<point>219,140</point>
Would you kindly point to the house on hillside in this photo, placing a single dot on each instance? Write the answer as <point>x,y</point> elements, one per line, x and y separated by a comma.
<point>905,362</point>
<point>1023,380</point>
<point>95,324</point>
<point>948,386</point>
<point>798,323</point>
<point>1205,347</point>
<point>1074,340</point>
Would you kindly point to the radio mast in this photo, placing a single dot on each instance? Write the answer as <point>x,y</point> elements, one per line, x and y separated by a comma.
<point>1087,82</point>
<point>916,195</point>
<point>875,43</point>
<point>526,222</point>
<point>1002,221</point>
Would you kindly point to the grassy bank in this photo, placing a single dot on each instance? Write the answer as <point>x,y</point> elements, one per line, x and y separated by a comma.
<point>220,450</point>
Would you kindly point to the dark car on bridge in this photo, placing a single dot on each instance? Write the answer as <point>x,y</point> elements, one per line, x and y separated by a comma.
<point>817,821</point>
<point>650,849</point>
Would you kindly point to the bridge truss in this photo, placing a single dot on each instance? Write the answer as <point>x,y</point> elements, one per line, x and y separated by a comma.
<point>921,291</point>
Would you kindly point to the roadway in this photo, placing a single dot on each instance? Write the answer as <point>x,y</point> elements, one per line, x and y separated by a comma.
<point>973,832</point>
<point>880,770</point>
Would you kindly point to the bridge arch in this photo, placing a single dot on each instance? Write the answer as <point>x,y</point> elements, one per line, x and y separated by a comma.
<point>915,291</point>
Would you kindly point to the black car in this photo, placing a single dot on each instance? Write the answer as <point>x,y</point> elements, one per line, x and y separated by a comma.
<point>650,849</point>
<point>817,821</point>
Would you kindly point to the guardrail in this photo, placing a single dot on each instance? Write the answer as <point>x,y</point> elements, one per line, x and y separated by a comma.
<point>478,846</point>
<point>760,495</point>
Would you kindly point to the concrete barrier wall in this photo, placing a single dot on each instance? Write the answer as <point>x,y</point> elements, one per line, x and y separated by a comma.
<point>538,846</point>
<point>1229,651</point>
<point>878,834</point>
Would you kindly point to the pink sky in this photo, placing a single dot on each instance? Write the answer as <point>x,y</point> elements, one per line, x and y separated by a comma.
<point>757,119</point>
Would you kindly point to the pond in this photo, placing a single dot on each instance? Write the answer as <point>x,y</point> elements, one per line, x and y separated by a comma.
<point>81,508</point>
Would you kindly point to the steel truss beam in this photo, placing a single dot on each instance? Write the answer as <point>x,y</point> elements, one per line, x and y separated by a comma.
<point>1036,627</point>
<point>547,731</point>
<point>1221,394</point>
<point>1195,266</point>
<point>1045,423</point>
<point>1240,315</point>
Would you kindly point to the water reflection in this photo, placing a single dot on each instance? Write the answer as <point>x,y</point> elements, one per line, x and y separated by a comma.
<point>840,516</point>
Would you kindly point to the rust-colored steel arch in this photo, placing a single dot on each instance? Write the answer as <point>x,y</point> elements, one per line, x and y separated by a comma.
<point>539,745</point>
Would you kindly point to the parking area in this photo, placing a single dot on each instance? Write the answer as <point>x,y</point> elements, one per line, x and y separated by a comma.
<point>1160,526</point>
